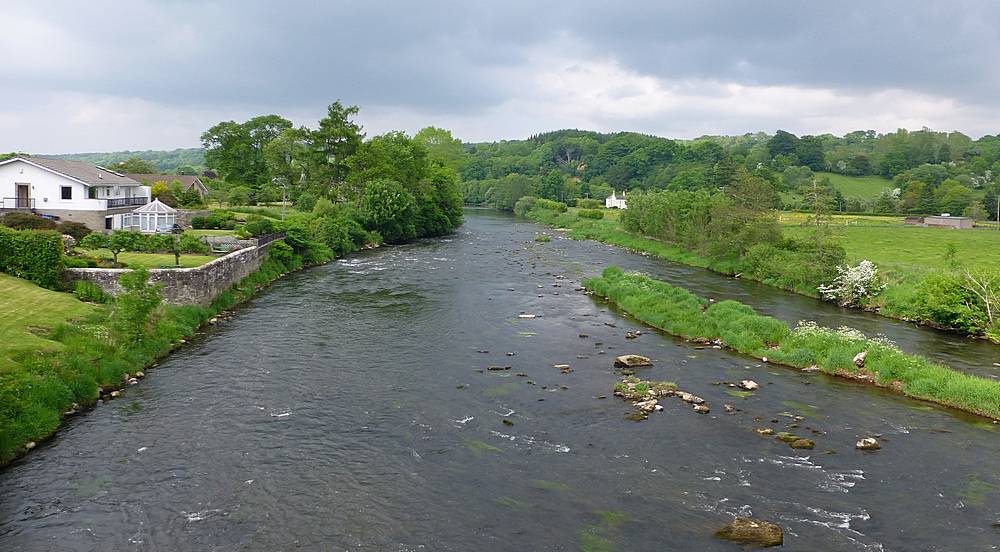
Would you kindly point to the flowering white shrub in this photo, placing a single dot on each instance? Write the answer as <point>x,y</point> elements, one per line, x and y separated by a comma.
<point>853,284</point>
<point>810,329</point>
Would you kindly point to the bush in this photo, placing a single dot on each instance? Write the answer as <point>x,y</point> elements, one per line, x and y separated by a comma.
<point>134,308</point>
<point>595,214</point>
<point>281,252</point>
<point>556,206</point>
<point>89,291</point>
<point>589,203</point>
<point>853,284</point>
<point>942,299</point>
<point>76,229</point>
<point>27,221</point>
<point>524,205</point>
<point>33,255</point>
<point>260,226</point>
<point>199,223</point>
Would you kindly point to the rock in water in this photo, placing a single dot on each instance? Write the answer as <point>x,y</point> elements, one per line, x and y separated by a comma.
<point>859,359</point>
<point>749,385</point>
<point>751,531</point>
<point>802,444</point>
<point>701,408</point>
<point>868,443</point>
<point>632,361</point>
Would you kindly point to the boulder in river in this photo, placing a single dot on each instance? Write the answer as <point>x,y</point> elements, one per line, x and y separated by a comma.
<point>632,361</point>
<point>802,444</point>
<point>701,408</point>
<point>753,532</point>
<point>868,443</point>
<point>749,385</point>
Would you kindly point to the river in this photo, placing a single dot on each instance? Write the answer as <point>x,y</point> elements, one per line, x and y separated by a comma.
<point>349,407</point>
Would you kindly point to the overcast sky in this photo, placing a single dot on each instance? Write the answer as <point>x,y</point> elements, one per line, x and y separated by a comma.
<point>101,76</point>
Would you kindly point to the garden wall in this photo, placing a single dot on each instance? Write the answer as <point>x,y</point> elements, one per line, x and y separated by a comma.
<point>183,286</point>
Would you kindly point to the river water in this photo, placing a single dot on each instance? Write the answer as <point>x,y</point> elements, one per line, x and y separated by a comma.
<point>349,407</point>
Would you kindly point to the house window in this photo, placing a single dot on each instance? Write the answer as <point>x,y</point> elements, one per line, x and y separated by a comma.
<point>92,193</point>
<point>67,192</point>
<point>108,222</point>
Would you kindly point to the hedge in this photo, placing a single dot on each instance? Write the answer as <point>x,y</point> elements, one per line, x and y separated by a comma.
<point>556,206</point>
<point>33,255</point>
<point>595,214</point>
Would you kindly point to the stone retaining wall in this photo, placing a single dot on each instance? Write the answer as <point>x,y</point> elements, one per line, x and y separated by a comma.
<point>183,286</point>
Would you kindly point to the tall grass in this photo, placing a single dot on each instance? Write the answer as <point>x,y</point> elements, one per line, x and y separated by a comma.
<point>679,312</point>
<point>44,384</point>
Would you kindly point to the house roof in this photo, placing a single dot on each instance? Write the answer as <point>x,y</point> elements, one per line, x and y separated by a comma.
<point>155,206</point>
<point>84,173</point>
<point>187,181</point>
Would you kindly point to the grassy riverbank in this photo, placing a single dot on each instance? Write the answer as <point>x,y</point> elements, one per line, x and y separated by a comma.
<point>681,313</point>
<point>72,354</point>
<point>922,268</point>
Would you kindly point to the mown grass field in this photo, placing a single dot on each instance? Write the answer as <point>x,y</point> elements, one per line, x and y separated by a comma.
<point>864,187</point>
<point>150,260</point>
<point>206,232</point>
<point>795,218</point>
<point>29,312</point>
<point>910,249</point>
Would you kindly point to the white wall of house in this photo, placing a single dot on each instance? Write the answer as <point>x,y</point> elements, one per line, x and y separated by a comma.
<point>45,187</point>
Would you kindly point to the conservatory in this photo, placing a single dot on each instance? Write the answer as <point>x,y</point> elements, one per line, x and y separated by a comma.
<point>154,216</point>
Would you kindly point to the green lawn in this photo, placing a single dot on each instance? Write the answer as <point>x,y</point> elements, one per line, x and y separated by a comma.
<point>794,218</point>
<point>150,260</point>
<point>29,312</point>
<point>903,249</point>
<point>864,187</point>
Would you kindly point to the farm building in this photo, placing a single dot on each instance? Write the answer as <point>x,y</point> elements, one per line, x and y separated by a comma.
<point>948,221</point>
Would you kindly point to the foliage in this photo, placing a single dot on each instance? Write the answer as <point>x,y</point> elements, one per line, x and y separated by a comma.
<point>90,292</point>
<point>33,255</point>
<point>587,203</point>
<point>596,214</point>
<point>134,165</point>
<point>854,285</point>
<point>176,161</point>
<point>551,205</point>
<point>280,252</point>
<point>524,205</point>
<point>259,226</point>
<point>133,308</point>
<point>76,229</point>
<point>27,221</point>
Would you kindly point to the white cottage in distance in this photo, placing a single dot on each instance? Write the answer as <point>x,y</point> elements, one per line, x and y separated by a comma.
<point>615,201</point>
<point>70,190</point>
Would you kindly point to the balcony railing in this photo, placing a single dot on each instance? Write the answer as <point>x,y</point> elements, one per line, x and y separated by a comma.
<point>117,202</point>
<point>17,203</point>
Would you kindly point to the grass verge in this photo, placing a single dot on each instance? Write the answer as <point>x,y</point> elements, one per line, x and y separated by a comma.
<point>679,312</point>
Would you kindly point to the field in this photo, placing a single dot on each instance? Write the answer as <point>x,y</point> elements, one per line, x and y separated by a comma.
<point>206,232</point>
<point>900,249</point>
<point>797,219</point>
<point>29,312</point>
<point>864,187</point>
<point>150,260</point>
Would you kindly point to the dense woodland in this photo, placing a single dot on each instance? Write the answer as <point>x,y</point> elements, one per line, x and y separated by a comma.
<point>924,171</point>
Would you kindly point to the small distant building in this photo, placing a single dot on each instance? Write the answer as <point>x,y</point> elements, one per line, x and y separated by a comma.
<point>188,182</point>
<point>947,221</point>
<point>615,201</point>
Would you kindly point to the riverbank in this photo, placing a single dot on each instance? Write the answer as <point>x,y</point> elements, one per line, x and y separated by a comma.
<point>843,352</point>
<point>42,386</point>
<point>907,295</point>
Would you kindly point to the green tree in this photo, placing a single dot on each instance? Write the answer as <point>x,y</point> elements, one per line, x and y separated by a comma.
<point>388,208</point>
<point>236,150</point>
<point>441,146</point>
<point>133,309</point>
<point>134,165</point>
<point>240,195</point>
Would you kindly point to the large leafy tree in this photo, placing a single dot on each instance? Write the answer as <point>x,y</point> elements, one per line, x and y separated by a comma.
<point>236,150</point>
<point>441,146</point>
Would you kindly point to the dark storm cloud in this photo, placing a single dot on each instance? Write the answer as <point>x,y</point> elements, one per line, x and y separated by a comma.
<point>465,61</point>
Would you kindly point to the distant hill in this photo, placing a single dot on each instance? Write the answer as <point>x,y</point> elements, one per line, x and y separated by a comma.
<point>166,161</point>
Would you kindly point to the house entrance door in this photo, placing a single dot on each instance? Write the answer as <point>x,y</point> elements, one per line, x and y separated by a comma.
<point>23,196</point>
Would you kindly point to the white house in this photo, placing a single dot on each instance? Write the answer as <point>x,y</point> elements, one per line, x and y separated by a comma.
<point>70,190</point>
<point>615,201</point>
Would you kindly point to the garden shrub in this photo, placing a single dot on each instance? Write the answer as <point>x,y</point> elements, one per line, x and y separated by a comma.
<point>33,255</point>
<point>27,221</point>
<point>556,206</point>
<point>588,203</point>
<point>595,214</point>
<point>524,204</point>
<point>89,291</point>
<point>259,226</point>
<point>76,229</point>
